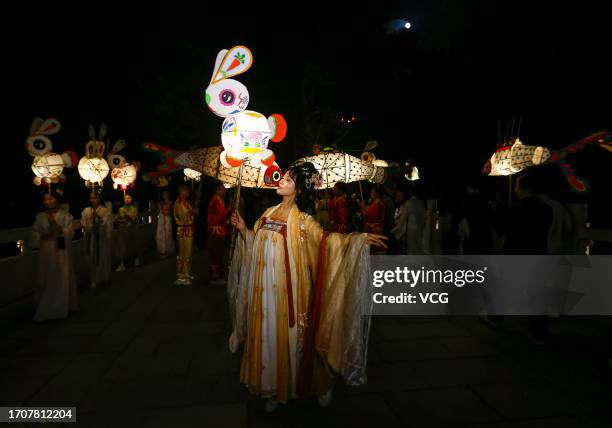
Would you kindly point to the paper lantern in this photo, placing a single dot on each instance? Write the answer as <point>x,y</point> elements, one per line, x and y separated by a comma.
<point>93,170</point>
<point>207,161</point>
<point>244,134</point>
<point>340,166</point>
<point>124,176</point>
<point>510,159</point>
<point>192,174</point>
<point>48,168</point>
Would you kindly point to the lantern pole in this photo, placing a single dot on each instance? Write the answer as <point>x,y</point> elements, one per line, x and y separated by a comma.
<point>235,208</point>
<point>509,189</point>
<point>49,186</point>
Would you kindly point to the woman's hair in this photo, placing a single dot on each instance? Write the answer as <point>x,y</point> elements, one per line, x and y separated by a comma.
<point>303,174</point>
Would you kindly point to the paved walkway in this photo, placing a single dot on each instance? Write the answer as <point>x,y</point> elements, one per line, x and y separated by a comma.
<point>143,352</point>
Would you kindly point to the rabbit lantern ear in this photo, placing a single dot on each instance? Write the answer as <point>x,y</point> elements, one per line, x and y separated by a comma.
<point>117,147</point>
<point>100,148</point>
<point>91,132</point>
<point>232,63</point>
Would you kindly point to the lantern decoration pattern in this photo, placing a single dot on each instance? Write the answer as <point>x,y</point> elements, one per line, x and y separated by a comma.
<point>207,161</point>
<point>93,168</point>
<point>245,134</point>
<point>123,173</point>
<point>511,159</point>
<point>192,174</point>
<point>339,166</point>
<point>48,167</point>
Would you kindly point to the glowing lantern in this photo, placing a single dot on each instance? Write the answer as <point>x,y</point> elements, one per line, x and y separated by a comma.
<point>339,166</point>
<point>192,174</point>
<point>47,166</point>
<point>124,176</point>
<point>245,134</point>
<point>93,170</point>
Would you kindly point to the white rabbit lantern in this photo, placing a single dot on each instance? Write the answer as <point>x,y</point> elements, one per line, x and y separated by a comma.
<point>245,134</point>
<point>123,173</point>
<point>47,166</point>
<point>93,167</point>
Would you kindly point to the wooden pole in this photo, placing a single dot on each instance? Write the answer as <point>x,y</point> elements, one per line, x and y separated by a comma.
<point>235,208</point>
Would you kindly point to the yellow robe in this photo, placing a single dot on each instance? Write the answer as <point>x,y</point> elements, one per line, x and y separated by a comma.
<point>184,217</point>
<point>257,291</point>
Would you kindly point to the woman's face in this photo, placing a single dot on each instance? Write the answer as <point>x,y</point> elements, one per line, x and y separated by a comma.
<point>49,202</point>
<point>373,194</point>
<point>286,186</point>
<point>127,200</point>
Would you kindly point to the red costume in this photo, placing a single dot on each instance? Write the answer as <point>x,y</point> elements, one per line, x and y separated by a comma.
<point>338,214</point>
<point>217,218</point>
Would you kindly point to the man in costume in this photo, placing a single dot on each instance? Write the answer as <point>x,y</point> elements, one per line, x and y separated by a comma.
<point>297,295</point>
<point>184,215</point>
<point>338,210</point>
<point>217,219</point>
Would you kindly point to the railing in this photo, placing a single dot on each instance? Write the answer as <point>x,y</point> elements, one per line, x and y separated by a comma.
<point>17,272</point>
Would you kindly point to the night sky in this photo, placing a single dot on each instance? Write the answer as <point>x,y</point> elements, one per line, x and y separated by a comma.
<point>436,93</point>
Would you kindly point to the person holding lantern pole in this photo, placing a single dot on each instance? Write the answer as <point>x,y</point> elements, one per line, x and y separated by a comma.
<point>97,225</point>
<point>55,289</point>
<point>217,220</point>
<point>184,215</point>
<point>297,295</point>
<point>127,221</point>
<point>163,234</point>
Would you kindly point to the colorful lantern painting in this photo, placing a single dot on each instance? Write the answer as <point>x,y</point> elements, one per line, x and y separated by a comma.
<point>207,161</point>
<point>245,134</point>
<point>93,168</point>
<point>123,173</point>
<point>47,166</point>
<point>510,159</point>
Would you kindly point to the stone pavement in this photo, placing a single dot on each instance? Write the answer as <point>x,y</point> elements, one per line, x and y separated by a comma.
<point>143,352</point>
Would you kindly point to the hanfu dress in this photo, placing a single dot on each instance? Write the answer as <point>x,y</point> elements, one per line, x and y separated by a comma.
<point>299,299</point>
<point>55,291</point>
<point>163,234</point>
<point>98,241</point>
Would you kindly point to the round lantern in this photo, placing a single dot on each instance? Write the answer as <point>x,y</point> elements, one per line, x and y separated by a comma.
<point>192,174</point>
<point>48,167</point>
<point>124,176</point>
<point>246,136</point>
<point>93,170</point>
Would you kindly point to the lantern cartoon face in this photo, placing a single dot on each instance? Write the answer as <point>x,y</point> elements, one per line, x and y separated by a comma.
<point>47,166</point>
<point>245,134</point>
<point>115,160</point>
<point>124,176</point>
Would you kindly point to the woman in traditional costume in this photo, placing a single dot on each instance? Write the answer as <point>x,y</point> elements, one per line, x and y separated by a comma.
<point>298,298</point>
<point>97,224</point>
<point>55,290</point>
<point>163,234</point>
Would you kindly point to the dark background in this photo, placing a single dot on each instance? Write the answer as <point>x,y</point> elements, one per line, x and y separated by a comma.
<point>436,93</point>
